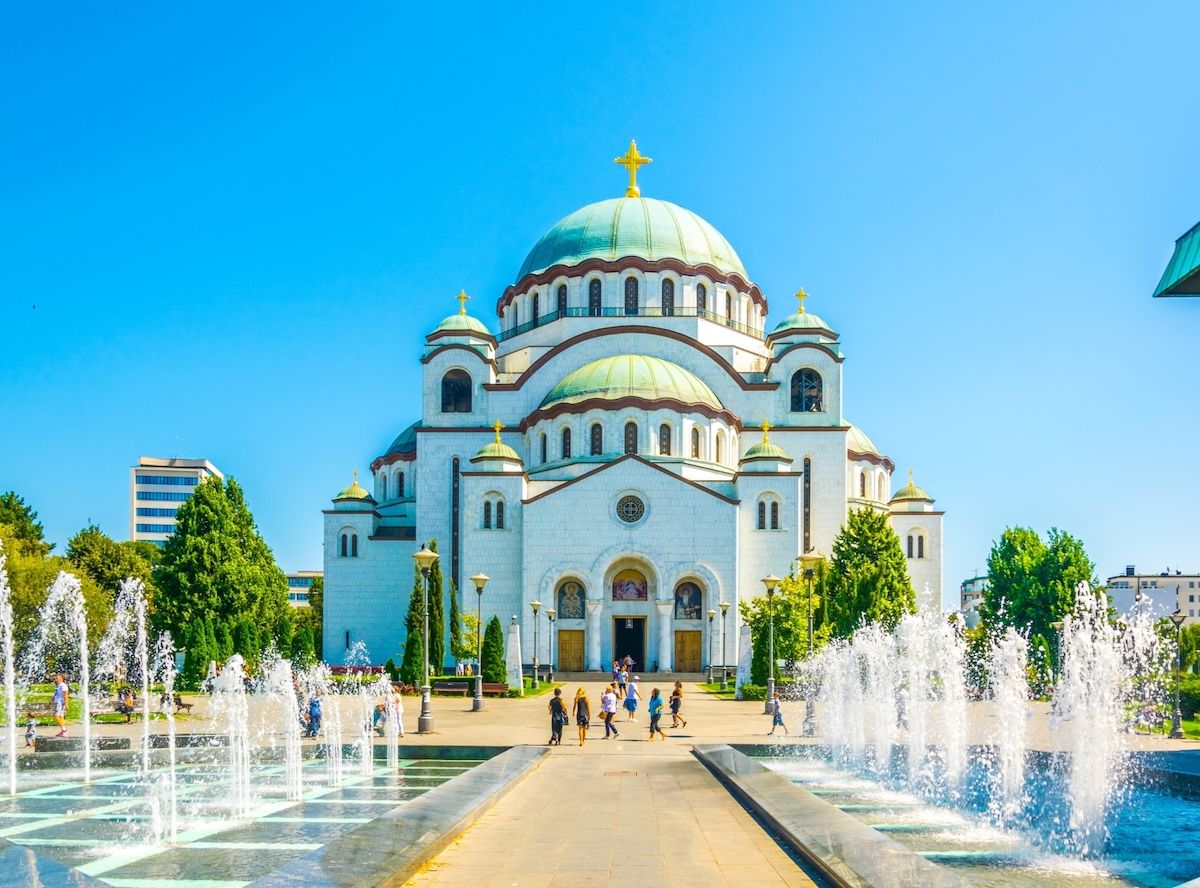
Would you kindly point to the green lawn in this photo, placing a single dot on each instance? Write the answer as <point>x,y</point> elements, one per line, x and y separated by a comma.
<point>715,690</point>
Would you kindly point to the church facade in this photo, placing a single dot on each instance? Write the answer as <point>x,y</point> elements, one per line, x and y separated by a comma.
<point>629,446</point>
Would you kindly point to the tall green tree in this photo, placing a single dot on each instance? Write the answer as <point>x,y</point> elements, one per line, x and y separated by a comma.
<point>1031,582</point>
<point>412,666</point>
<point>283,633</point>
<point>493,653</point>
<point>456,628</point>
<point>215,564</point>
<point>868,579</point>
<point>196,658</point>
<point>109,562</point>
<point>303,653</point>
<point>315,613</point>
<point>437,616</point>
<point>23,524</point>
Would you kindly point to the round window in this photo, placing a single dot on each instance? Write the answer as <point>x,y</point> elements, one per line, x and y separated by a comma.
<point>630,509</point>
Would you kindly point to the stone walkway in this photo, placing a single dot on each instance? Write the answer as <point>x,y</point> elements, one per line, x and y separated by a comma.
<point>616,814</point>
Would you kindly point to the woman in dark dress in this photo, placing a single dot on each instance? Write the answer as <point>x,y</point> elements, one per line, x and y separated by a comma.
<point>558,717</point>
<point>677,705</point>
<point>583,714</point>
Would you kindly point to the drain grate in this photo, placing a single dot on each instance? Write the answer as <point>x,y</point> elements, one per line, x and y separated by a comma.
<point>620,773</point>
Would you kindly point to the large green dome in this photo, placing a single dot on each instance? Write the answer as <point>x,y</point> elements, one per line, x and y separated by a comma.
<point>632,226</point>
<point>638,376</point>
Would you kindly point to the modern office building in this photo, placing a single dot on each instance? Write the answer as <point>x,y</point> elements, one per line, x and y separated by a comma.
<point>1162,592</point>
<point>970,595</point>
<point>156,488</point>
<point>299,584</point>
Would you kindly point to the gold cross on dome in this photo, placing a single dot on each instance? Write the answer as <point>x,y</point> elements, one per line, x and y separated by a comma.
<point>801,295</point>
<point>631,160</point>
<point>498,426</point>
<point>910,477</point>
<point>766,428</point>
<point>462,298</point>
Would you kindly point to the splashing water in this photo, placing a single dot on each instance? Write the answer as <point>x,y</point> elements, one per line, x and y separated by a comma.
<point>164,668</point>
<point>1007,663</point>
<point>10,692</point>
<point>61,635</point>
<point>229,704</point>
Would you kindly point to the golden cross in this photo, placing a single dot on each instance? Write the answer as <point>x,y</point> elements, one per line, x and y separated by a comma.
<point>766,428</point>
<point>356,476</point>
<point>462,298</point>
<point>910,477</point>
<point>801,295</point>
<point>498,426</point>
<point>631,160</point>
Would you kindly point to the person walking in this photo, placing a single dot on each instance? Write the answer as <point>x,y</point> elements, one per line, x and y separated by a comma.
<point>777,716</point>
<point>608,708</point>
<point>62,696</point>
<point>655,708</point>
<point>622,681</point>
<point>314,715</point>
<point>631,699</point>
<point>676,703</point>
<point>558,717</point>
<point>30,729</point>
<point>398,709</point>
<point>583,713</point>
<point>616,669</point>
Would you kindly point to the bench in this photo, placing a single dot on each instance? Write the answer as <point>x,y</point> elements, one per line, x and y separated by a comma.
<point>451,687</point>
<point>495,687</point>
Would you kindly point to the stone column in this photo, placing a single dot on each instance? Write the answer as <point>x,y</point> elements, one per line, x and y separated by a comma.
<point>594,607</point>
<point>744,655</point>
<point>665,654</point>
<point>512,660</point>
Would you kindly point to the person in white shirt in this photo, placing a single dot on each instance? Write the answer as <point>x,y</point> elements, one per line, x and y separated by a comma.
<point>608,708</point>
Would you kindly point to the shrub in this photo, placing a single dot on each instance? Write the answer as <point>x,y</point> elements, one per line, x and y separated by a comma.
<point>493,653</point>
<point>1189,697</point>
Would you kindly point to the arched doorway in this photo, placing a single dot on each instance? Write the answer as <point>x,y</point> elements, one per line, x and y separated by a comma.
<point>689,626</point>
<point>630,594</point>
<point>569,604</point>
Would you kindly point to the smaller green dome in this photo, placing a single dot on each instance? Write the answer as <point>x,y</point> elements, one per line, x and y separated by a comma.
<point>801,319</point>
<point>767,450</point>
<point>463,323</point>
<point>354,491</point>
<point>641,376</point>
<point>910,491</point>
<point>496,450</point>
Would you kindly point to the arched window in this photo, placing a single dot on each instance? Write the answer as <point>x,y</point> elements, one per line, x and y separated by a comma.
<point>399,485</point>
<point>631,296</point>
<point>774,515</point>
<point>701,298</point>
<point>920,545</point>
<point>720,447</point>
<point>668,297</point>
<point>543,447</point>
<point>353,545</point>
<point>729,305</point>
<point>383,488</point>
<point>631,436</point>
<point>487,514</point>
<point>806,391</point>
<point>862,485</point>
<point>456,392</point>
<point>597,442</point>
<point>695,443</point>
<point>499,514</point>
<point>594,298</point>
<point>566,443</point>
<point>345,545</point>
<point>762,515</point>
<point>910,545</point>
<point>664,439</point>
<point>534,318</point>
<point>880,490</point>
<point>562,300</point>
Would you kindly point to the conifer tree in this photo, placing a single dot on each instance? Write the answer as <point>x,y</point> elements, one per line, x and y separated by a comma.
<point>437,616</point>
<point>493,653</point>
<point>283,634</point>
<point>224,641</point>
<point>303,654</point>
<point>868,578</point>
<point>455,625</point>
<point>414,626</point>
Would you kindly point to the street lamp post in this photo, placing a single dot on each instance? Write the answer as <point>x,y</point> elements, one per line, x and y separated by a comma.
<point>724,605</point>
<point>771,582</point>
<point>480,580</point>
<point>1177,717</point>
<point>424,561</point>
<point>550,617</point>
<point>809,562</point>
<point>535,606</point>
<point>711,613</point>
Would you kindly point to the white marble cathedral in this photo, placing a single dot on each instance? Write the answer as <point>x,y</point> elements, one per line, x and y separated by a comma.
<point>631,449</point>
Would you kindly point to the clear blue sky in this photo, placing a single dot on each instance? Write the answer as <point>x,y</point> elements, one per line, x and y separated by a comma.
<point>236,223</point>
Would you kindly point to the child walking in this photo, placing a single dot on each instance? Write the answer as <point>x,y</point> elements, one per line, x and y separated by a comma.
<point>655,708</point>
<point>777,716</point>
<point>30,729</point>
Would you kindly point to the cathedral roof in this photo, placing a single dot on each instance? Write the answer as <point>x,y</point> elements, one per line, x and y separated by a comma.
<point>858,442</point>
<point>496,449</point>
<point>910,491</point>
<point>354,491</point>
<point>802,320</point>
<point>766,449</point>
<point>632,226</point>
<point>639,376</point>
<point>463,323</point>
<point>406,441</point>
